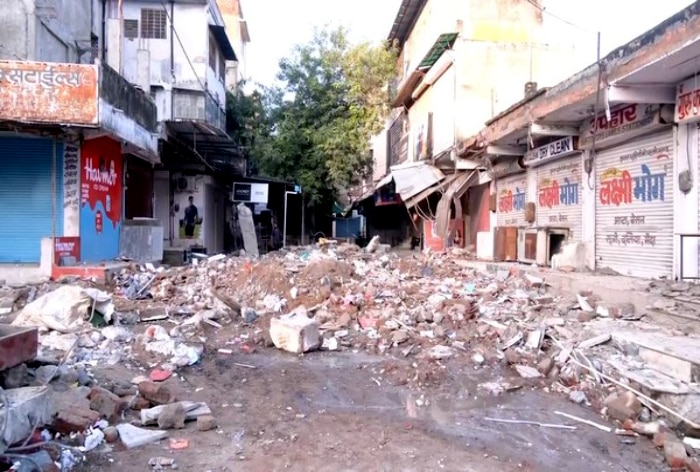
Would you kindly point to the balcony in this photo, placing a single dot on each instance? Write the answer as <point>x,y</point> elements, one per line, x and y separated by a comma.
<point>197,135</point>
<point>132,101</point>
<point>128,113</point>
<point>197,106</point>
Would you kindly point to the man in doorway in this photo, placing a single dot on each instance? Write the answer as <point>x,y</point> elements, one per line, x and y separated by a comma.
<point>191,217</point>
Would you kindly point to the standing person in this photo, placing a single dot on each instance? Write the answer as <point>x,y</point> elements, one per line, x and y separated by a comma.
<point>415,231</point>
<point>191,217</point>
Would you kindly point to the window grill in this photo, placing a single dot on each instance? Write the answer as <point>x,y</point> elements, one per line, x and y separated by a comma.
<point>153,24</point>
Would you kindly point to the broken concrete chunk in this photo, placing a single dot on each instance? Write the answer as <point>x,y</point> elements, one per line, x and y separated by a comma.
<point>192,412</point>
<point>583,303</point>
<point>133,436</point>
<point>527,372</point>
<point>206,423</point>
<point>623,406</point>
<point>595,341</point>
<point>440,352</point>
<point>172,417</point>
<point>296,333</point>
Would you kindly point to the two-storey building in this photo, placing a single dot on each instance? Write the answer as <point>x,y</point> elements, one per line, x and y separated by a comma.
<point>178,51</point>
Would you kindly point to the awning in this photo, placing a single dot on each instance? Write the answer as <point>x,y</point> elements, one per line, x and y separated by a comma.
<point>386,180</point>
<point>219,33</point>
<point>441,186</point>
<point>454,193</point>
<point>414,177</point>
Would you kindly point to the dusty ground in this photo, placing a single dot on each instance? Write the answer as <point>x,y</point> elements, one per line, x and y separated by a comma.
<point>341,412</point>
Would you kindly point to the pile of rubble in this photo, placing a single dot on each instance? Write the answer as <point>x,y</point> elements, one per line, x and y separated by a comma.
<point>431,308</point>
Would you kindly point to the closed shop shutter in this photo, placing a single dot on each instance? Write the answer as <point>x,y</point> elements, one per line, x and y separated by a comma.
<point>634,207</point>
<point>559,195</point>
<point>26,196</point>
<point>511,194</point>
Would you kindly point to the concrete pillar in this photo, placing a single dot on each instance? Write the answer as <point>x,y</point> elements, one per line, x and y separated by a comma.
<point>114,44</point>
<point>143,69</point>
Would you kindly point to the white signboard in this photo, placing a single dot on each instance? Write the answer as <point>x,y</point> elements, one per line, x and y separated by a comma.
<point>556,149</point>
<point>250,193</point>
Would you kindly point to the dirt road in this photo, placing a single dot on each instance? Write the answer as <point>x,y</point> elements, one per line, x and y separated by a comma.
<point>343,412</point>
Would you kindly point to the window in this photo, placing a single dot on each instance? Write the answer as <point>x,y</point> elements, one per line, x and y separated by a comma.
<point>131,29</point>
<point>153,23</point>
<point>222,67</point>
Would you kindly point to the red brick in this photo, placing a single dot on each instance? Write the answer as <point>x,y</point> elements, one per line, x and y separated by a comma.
<point>623,406</point>
<point>675,454</point>
<point>74,420</point>
<point>156,393</point>
<point>136,402</point>
<point>105,402</point>
<point>693,464</point>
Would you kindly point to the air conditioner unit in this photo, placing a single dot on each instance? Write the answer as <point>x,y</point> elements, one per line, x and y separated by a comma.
<point>184,184</point>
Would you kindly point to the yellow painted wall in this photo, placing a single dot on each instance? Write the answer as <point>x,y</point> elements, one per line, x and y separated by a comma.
<point>502,45</point>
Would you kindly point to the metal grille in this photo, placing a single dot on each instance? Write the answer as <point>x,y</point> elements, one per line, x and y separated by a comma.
<point>131,29</point>
<point>153,24</point>
<point>634,215</point>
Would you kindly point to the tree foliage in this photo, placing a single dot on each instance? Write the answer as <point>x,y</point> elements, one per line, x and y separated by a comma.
<point>315,129</point>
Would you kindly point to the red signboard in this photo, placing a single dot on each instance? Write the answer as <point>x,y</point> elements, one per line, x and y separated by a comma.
<point>66,247</point>
<point>101,181</point>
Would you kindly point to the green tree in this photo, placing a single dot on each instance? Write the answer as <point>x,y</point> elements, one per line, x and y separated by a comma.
<point>334,97</point>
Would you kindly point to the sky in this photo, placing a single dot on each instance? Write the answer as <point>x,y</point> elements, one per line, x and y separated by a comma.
<point>277,25</point>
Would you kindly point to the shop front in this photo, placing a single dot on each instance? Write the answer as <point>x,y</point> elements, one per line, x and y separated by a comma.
<point>559,215</point>
<point>687,116</point>
<point>511,197</point>
<point>634,191</point>
<point>31,193</point>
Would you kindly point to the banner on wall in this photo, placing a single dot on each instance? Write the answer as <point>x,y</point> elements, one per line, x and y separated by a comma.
<point>101,182</point>
<point>100,198</point>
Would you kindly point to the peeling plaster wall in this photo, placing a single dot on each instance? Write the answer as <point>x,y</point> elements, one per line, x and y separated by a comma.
<point>46,30</point>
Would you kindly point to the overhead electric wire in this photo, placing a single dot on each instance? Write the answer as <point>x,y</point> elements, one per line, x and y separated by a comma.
<point>557,17</point>
<point>184,51</point>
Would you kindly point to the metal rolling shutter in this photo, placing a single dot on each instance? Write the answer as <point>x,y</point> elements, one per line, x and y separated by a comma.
<point>558,211</point>
<point>511,193</point>
<point>26,201</point>
<point>635,237</point>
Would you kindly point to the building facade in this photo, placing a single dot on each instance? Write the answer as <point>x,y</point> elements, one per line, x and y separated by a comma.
<point>179,52</point>
<point>461,63</point>
<point>603,175</point>
<point>237,30</point>
<point>67,120</point>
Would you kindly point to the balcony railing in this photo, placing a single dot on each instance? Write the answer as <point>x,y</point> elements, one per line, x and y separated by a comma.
<point>135,103</point>
<point>190,105</point>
